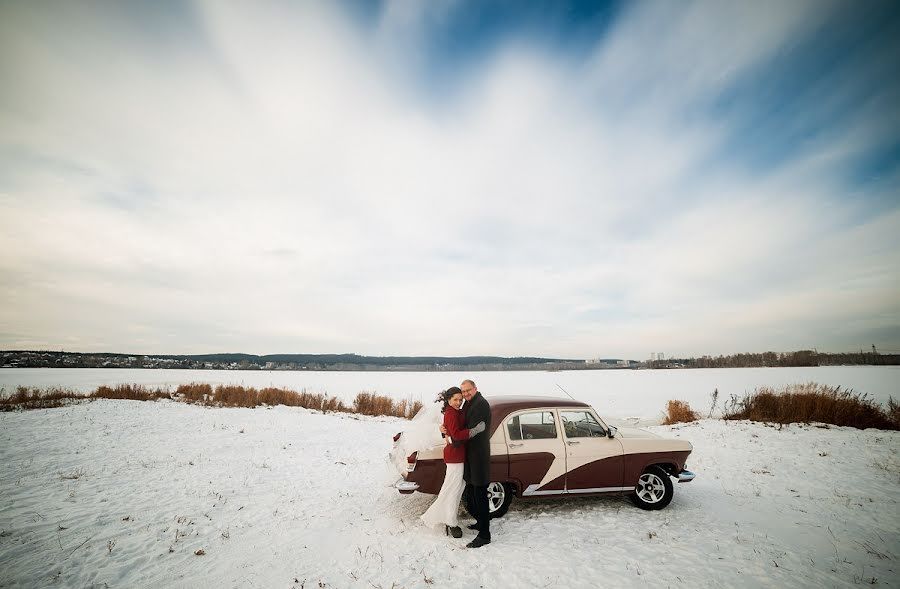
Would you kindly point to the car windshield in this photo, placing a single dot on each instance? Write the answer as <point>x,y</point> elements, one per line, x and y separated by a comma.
<point>581,424</point>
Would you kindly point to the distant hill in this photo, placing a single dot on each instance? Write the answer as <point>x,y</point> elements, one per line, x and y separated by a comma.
<point>238,361</point>
<point>373,360</point>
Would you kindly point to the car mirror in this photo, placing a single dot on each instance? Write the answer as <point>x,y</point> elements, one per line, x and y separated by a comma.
<point>612,431</point>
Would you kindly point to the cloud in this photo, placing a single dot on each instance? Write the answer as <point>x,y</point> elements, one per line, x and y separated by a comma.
<point>281,178</point>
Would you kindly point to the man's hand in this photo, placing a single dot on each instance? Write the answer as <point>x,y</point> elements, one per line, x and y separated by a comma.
<point>443,429</point>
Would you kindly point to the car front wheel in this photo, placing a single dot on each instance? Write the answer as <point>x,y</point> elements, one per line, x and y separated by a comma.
<point>654,489</point>
<point>499,498</point>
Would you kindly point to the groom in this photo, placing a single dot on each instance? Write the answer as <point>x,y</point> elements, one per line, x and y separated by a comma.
<point>476,471</point>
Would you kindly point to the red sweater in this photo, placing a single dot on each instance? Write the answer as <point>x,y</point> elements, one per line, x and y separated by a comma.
<point>454,420</point>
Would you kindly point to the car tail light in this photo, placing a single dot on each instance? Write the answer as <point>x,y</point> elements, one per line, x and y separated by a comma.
<point>411,461</point>
<point>397,437</point>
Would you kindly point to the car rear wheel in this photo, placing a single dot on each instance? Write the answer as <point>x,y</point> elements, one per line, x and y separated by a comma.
<point>654,489</point>
<point>500,497</point>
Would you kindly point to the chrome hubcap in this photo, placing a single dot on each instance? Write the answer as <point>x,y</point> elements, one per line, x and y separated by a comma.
<point>496,495</point>
<point>650,488</point>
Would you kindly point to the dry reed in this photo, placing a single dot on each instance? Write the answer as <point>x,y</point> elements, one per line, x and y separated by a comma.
<point>679,412</point>
<point>220,396</point>
<point>37,398</point>
<point>133,392</point>
<point>194,392</point>
<point>813,402</point>
<point>373,404</point>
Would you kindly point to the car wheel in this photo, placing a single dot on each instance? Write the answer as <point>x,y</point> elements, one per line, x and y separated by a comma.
<point>654,489</point>
<point>500,497</point>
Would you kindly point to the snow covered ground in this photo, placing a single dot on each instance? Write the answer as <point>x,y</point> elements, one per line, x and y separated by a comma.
<point>127,494</point>
<point>638,394</point>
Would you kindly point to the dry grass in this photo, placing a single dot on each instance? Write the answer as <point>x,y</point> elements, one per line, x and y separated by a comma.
<point>235,396</point>
<point>36,398</point>
<point>408,408</point>
<point>334,404</point>
<point>812,402</point>
<point>241,396</point>
<point>220,396</point>
<point>274,396</point>
<point>194,392</point>
<point>133,392</point>
<point>679,412</point>
<point>893,411</point>
<point>374,404</point>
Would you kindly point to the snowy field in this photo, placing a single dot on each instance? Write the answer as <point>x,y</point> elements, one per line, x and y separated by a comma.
<point>128,494</point>
<point>637,395</point>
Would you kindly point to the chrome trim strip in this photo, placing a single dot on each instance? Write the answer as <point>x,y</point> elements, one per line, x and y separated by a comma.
<point>533,490</point>
<point>601,490</point>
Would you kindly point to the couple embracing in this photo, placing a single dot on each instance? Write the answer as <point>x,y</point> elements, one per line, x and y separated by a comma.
<point>467,454</point>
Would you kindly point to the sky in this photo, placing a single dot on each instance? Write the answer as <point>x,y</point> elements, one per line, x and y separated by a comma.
<point>557,179</point>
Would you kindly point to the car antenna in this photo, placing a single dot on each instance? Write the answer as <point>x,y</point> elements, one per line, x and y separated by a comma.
<point>565,391</point>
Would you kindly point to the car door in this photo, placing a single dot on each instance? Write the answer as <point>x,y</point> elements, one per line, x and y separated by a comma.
<point>594,461</point>
<point>537,457</point>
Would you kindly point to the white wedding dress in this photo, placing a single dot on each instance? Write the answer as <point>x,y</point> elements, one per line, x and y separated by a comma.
<point>423,433</point>
<point>445,509</point>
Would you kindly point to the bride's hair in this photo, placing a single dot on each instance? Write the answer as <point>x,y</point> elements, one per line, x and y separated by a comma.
<point>445,396</point>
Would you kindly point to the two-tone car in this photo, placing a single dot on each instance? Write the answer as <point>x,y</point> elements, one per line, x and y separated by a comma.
<point>545,447</point>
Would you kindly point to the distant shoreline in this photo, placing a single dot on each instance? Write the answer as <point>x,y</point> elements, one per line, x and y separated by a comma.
<point>357,363</point>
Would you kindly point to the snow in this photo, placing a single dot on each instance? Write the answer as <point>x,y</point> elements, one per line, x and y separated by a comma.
<point>640,395</point>
<point>124,493</point>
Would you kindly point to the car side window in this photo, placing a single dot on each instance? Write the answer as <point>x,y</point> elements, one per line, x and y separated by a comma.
<point>538,425</point>
<point>581,424</point>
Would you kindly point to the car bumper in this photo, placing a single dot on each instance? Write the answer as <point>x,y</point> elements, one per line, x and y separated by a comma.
<point>406,487</point>
<point>685,476</point>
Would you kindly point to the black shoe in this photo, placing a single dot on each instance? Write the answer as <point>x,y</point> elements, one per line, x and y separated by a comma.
<point>472,526</point>
<point>455,531</point>
<point>478,542</point>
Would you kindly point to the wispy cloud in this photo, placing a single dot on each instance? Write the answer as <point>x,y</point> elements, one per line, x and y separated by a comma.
<point>273,177</point>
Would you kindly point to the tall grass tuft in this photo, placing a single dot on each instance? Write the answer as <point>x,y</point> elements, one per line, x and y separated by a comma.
<point>373,404</point>
<point>194,392</point>
<point>408,408</point>
<point>235,396</point>
<point>133,392</point>
<point>894,412</point>
<point>220,396</point>
<point>37,398</point>
<point>334,404</point>
<point>274,396</point>
<point>813,402</point>
<point>679,412</point>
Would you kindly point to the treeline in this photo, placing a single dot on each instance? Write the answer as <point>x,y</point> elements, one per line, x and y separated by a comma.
<point>355,359</point>
<point>798,358</point>
<point>61,359</point>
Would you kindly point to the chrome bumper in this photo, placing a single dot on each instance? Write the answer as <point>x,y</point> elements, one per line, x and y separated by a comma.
<point>406,487</point>
<point>685,476</point>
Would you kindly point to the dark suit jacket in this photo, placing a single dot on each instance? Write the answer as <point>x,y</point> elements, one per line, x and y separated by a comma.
<point>477,469</point>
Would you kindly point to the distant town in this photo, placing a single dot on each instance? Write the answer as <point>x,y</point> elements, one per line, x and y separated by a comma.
<point>354,362</point>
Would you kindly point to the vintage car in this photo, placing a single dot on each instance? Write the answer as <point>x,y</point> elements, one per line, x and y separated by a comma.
<point>550,447</point>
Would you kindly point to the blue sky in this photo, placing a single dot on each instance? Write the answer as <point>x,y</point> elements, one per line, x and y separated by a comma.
<point>455,178</point>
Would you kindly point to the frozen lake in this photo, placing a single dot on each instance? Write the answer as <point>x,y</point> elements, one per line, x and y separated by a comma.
<point>615,393</point>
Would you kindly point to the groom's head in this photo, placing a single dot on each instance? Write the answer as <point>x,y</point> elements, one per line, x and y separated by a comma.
<point>468,389</point>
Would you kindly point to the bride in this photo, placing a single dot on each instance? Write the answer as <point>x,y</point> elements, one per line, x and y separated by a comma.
<point>444,509</point>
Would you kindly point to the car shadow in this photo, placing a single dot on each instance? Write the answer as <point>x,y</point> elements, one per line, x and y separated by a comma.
<point>568,505</point>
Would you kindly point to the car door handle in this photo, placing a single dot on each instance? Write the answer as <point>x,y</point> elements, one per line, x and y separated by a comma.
<point>514,445</point>
<point>571,443</point>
